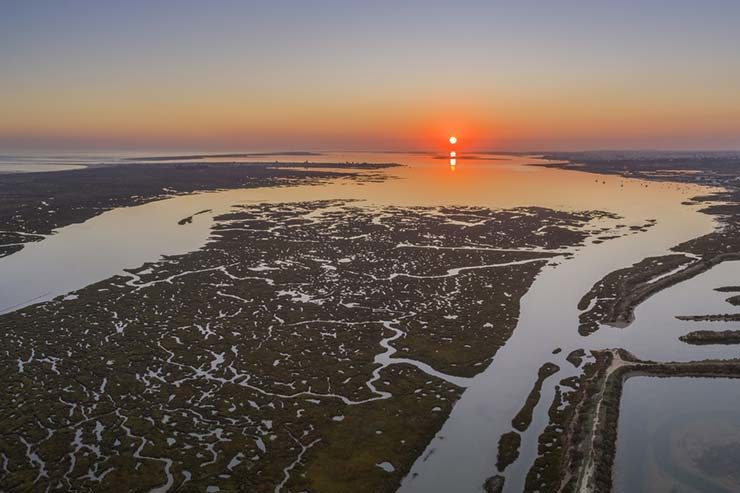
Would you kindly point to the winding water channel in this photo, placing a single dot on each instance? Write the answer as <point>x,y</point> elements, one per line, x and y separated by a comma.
<point>463,454</point>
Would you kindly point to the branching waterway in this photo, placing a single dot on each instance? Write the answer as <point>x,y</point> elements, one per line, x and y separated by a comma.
<point>548,320</point>
<point>652,219</point>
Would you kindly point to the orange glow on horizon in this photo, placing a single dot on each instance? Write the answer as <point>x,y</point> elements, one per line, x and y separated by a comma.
<point>211,124</point>
<point>453,154</point>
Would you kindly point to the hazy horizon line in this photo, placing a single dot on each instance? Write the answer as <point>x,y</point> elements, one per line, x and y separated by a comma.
<point>315,151</point>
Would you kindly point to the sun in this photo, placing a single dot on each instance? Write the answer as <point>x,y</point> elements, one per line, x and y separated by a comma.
<point>453,140</point>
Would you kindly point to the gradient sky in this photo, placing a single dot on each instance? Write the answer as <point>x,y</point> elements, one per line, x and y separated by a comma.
<point>228,75</point>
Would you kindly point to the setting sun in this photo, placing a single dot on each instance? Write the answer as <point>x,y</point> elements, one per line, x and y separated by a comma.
<point>453,140</point>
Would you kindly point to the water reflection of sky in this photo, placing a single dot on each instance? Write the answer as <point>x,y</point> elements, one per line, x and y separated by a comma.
<point>667,429</point>
<point>128,237</point>
<point>654,333</point>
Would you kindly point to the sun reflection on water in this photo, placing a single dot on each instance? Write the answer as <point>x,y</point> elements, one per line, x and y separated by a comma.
<point>453,154</point>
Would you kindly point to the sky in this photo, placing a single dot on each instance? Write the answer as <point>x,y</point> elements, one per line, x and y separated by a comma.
<point>369,75</point>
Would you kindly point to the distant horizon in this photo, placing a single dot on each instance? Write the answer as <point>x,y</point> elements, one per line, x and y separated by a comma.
<point>307,152</point>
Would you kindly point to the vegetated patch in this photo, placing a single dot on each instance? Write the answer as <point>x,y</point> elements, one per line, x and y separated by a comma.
<point>575,357</point>
<point>703,337</point>
<point>523,418</point>
<point>722,317</point>
<point>734,300</point>
<point>189,219</point>
<point>565,427</point>
<point>728,289</point>
<point>508,449</point>
<point>494,484</point>
<point>612,300</point>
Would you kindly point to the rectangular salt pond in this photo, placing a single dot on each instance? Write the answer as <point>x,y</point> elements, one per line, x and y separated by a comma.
<point>678,435</point>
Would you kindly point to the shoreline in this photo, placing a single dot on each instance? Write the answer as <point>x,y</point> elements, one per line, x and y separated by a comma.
<point>585,463</point>
<point>597,473</point>
<point>37,204</point>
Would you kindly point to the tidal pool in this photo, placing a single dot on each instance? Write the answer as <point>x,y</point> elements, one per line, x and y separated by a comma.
<point>678,435</point>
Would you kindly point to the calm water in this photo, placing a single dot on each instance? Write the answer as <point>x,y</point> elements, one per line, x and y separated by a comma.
<point>6,168</point>
<point>679,435</point>
<point>18,163</point>
<point>465,449</point>
<point>654,333</point>
<point>128,237</point>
